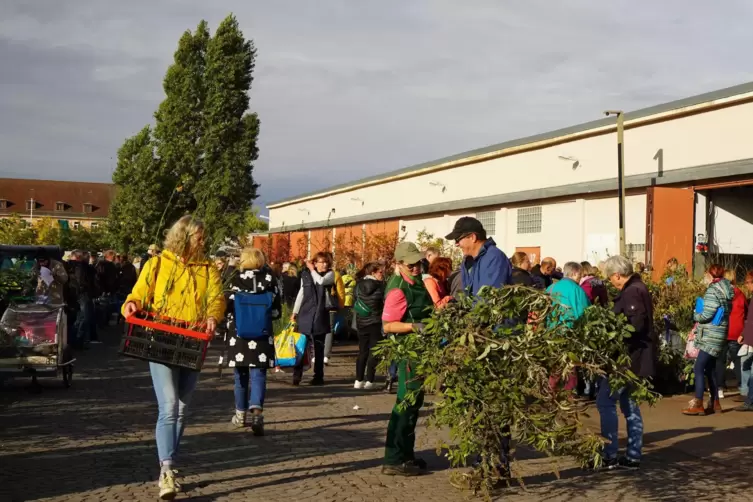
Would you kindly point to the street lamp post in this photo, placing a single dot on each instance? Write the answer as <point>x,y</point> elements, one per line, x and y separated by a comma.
<point>620,173</point>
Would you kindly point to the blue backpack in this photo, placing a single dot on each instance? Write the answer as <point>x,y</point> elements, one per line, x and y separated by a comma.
<point>253,314</point>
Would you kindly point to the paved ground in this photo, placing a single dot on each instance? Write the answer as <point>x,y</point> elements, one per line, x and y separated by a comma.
<point>94,442</point>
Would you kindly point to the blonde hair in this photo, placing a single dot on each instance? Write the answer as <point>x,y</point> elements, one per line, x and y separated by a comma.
<point>252,259</point>
<point>731,275</point>
<point>292,270</point>
<point>181,239</point>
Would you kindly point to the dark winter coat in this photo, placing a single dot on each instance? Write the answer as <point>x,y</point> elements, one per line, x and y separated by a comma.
<point>107,277</point>
<point>290,287</point>
<point>128,278</point>
<point>313,318</point>
<point>635,302</point>
<point>371,292</point>
<point>541,280</point>
<point>521,277</point>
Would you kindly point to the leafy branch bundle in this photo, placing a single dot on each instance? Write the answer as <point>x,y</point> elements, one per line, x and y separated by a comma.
<point>490,363</point>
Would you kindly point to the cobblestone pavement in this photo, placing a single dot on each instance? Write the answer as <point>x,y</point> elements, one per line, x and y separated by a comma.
<point>95,442</point>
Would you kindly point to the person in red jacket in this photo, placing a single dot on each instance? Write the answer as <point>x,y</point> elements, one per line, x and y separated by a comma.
<point>736,324</point>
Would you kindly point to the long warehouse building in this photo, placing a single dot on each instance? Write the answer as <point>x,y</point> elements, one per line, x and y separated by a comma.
<point>688,177</point>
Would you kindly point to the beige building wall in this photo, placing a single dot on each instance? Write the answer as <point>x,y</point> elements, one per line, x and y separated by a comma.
<point>705,138</point>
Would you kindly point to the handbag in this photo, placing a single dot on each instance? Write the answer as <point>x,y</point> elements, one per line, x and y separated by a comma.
<point>744,350</point>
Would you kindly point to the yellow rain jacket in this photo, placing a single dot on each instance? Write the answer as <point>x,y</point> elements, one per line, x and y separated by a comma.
<point>340,289</point>
<point>189,292</point>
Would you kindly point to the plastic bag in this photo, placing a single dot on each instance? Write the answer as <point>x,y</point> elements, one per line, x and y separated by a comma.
<point>290,347</point>
<point>691,351</point>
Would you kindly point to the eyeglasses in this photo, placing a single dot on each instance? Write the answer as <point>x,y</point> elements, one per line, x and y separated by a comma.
<point>415,265</point>
<point>457,241</point>
<point>321,263</point>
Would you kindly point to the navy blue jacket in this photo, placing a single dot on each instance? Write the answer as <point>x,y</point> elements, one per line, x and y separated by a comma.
<point>490,268</point>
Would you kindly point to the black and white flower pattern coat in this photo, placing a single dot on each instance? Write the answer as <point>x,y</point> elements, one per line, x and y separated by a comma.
<point>260,352</point>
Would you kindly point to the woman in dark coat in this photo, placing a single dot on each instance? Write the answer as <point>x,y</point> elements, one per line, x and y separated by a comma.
<point>521,269</point>
<point>310,312</point>
<point>251,358</point>
<point>368,306</point>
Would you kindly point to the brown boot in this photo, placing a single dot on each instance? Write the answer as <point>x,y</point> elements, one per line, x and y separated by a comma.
<point>695,407</point>
<point>714,407</point>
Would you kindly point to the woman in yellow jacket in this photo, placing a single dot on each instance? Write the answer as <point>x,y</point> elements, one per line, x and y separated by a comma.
<point>183,285</point>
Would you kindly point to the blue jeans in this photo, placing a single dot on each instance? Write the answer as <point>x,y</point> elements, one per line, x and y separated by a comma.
<point>84,317</point>
<point>705,365</point>
<point>174,388</point>
<point>256,378</point>
<point>393,372</point>
<point>606,403</point>
<point>746,362</point>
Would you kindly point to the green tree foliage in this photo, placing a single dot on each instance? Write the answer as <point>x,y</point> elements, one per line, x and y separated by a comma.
<point>15,231</point>
<point>143,190</point>
<point>426,240</point>
<point>226,188</point>
<point>199,157</point>
<point>491,370</point>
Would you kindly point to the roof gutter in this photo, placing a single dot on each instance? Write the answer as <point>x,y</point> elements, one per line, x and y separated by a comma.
<point>537,145</point>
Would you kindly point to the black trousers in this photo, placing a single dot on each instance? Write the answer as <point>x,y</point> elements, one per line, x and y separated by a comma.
<point>368,337</point>
<point>318,341</point>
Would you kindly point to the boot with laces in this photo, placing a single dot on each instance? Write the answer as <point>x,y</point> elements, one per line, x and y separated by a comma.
<point>695,407</point>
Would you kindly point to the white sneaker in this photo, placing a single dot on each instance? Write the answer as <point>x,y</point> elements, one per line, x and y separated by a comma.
<point>239,419</point>
<point>721,394</point>
<point>168,487</point>
<point>326,360</point>
<point>369,386</point>
<point>358,385</point>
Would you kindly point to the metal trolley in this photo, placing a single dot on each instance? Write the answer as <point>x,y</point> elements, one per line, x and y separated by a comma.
<point>33,342</point>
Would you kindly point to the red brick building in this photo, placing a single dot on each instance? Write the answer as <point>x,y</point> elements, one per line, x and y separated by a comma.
<point>77,203</point>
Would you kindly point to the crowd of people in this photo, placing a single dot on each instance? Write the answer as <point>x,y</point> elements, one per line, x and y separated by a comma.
<point>382,298</point>
<point>91,287</point>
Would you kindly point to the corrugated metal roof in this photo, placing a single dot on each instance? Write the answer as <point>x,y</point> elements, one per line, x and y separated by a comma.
<point>644,112</point>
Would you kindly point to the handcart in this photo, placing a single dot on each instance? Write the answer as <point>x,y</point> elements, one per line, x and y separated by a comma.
<point>33,341</point>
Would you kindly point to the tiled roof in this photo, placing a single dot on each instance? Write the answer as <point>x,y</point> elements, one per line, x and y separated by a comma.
<point>58,199</point>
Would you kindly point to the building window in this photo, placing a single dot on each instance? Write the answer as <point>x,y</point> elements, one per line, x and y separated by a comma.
<point>489,220</point>
<point>76,225</point>
<point>87,207</point>
<point>529,220</point>
<point>3,204</point>
<point>94,225</point>
<point>60,206</point>
<point>636,252</point>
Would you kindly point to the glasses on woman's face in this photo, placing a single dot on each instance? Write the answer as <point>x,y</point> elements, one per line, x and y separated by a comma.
<point>414,266</point>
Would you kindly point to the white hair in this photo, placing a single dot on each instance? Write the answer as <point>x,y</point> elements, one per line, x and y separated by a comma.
<point>618,265</point>
<point>571,269</point>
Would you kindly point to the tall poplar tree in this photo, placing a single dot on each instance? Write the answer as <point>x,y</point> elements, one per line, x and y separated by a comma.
<point>203,145</point>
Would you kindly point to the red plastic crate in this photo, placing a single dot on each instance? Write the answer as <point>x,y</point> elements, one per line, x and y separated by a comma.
<point>173,344</point>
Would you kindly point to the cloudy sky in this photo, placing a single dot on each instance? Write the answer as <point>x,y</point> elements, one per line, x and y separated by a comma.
<point>351,88</point>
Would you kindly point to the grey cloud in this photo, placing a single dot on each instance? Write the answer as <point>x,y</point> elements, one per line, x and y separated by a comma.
<point>347,89</point>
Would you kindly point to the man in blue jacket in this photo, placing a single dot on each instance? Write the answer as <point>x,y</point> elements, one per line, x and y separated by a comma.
<point>484,263</point>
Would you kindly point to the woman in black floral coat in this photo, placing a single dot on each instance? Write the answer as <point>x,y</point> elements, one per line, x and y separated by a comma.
<point>251,358</point>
